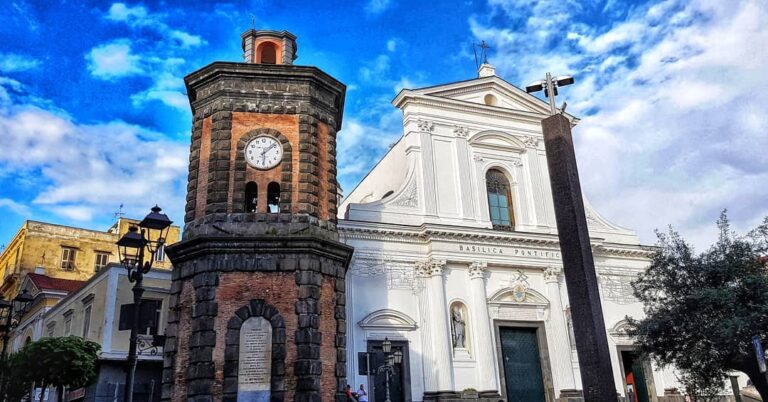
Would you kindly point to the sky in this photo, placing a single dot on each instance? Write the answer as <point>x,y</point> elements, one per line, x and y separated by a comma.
<point>672,95</point>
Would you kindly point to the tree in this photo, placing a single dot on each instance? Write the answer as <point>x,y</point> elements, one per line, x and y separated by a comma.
<point>14,386</point>
<point>701,386</point>
<point>702,310</point>
<point>59,362</point>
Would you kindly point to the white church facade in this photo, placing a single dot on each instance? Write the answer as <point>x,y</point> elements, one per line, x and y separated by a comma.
<point>457,260</point>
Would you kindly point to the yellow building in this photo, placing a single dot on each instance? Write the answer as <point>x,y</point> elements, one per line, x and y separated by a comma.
<point>65,252</point>
<point>93,309</point>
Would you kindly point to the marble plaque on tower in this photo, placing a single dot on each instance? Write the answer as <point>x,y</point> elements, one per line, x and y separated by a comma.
<point>254,370</point>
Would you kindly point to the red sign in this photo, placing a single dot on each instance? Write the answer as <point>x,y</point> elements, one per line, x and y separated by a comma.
<point>74,395</point>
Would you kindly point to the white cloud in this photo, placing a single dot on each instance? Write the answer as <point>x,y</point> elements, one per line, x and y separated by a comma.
<point>113,60</point>
<point>360,145</point>
<point>16,207</point>
<point>76,213</point>
<point>672,126</point>
<point>122,12</point>
<point>377,6</point>
<point>77,165</point>
<point>186,40</point>
<point>392,45</point>
<point>12,62</point>
<point>158,60</point>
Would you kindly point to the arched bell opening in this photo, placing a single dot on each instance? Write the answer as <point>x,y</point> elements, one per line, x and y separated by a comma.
<point>251,197</point>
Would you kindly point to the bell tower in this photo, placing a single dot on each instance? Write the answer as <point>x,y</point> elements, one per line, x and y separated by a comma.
<point>257,299</point>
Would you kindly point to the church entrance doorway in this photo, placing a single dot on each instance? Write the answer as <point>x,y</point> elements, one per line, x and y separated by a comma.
<point>637,385</point>
<point>400,382</point>
<point>521,364</point>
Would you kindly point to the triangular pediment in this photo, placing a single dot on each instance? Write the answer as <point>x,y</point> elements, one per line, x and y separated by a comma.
<point>489,91</point>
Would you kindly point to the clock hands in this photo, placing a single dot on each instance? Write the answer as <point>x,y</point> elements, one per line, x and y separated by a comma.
<point>267,149</point>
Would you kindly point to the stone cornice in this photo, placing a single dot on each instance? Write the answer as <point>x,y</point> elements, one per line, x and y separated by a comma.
<point>429,232</point>
<point>474,108</point>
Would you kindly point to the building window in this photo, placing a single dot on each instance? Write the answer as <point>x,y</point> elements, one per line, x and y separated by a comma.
<point>68,325</point>
<point>51,329</point>
<point>150,316</point>
<point>102,259</point>
<point>499,200</point>
<point>268,53</point>
<point>273,198</point>
<point>68,258</point>
<point>160,253</point>
<point>87,321</point>
<point>251,197</point>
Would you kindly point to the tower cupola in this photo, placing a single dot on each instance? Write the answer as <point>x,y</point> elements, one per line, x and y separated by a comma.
<point>269,47</point>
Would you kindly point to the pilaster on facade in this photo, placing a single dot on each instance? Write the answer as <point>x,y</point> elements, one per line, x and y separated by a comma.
<point>486,361</point>
<point>477,270</point>
<point>436,267</point>
<point>438,356</point>
<point>552,274</point>
<point>561,345</point>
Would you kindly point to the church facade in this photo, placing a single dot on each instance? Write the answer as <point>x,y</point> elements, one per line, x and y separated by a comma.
<point>457,261</point>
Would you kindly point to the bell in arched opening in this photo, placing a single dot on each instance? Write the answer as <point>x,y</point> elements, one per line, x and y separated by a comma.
<point>273,198</point>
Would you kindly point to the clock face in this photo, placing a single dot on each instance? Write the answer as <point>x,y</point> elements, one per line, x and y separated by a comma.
<point>263,152</point>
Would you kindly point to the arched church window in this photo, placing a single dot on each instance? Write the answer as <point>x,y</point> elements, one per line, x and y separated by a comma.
<point>268,53</point>
<point>273,197</point>
<point>251,197</point>
<point>499,200</point>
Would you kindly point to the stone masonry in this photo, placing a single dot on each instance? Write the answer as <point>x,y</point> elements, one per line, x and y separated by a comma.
<point>286,267</point>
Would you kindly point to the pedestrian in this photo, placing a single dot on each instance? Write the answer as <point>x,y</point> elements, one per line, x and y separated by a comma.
<point>351,396</point>
<point>362,396</point>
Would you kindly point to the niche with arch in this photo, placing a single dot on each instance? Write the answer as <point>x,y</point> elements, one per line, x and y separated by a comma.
<point>460,335</point>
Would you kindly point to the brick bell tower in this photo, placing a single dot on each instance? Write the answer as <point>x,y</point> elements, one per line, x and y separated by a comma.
<point>257,299</point>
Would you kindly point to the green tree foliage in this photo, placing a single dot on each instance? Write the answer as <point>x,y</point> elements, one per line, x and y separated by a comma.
<point>702,310</point>
<point>58,362</point>
<point>15,386</point>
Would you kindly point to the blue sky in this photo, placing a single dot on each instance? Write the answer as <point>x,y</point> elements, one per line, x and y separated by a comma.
<point>671,95</point>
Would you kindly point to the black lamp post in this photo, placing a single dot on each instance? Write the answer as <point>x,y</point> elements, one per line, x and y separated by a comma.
<point>391,360</point>
<point>150,235</point>
<point>10,311</point>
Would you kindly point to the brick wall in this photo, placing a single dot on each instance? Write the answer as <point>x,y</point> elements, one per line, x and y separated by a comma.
<point>302,278</point>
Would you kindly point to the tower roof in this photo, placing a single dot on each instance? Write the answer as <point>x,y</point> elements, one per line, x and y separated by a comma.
<point>265,46</point>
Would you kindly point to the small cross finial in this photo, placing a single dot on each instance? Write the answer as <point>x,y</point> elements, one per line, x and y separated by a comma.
<point>253,21</point>
<point>483,52</point>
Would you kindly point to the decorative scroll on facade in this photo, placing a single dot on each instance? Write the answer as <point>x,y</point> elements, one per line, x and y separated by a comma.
<point>617,288</point>
<point>399,273</point>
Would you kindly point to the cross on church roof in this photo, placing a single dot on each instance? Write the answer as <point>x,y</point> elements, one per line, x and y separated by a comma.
<point>483,52</point>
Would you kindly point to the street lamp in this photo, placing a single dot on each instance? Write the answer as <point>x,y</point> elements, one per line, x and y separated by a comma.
<point>391,360</point>
<point>150,235</point>
<point>10,310</point>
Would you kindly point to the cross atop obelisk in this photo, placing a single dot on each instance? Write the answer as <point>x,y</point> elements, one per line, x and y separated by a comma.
<point>578,263</point>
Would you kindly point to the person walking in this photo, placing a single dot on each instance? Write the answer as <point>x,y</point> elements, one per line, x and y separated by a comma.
<point>351,396</point>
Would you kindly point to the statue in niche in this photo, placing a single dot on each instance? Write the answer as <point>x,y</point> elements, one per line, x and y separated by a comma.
<point>459,327</point>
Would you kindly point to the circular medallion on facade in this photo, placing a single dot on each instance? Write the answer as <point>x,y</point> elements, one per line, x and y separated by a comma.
<point>263,152</point>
